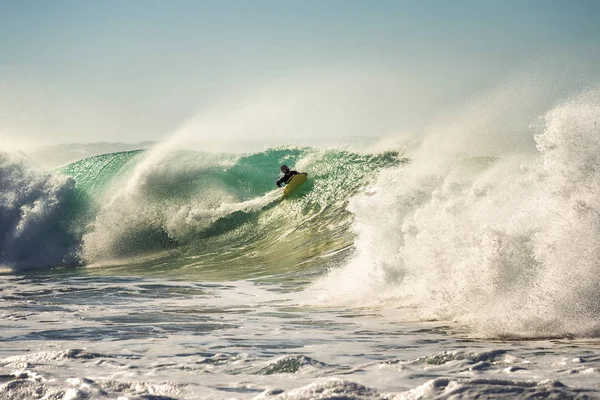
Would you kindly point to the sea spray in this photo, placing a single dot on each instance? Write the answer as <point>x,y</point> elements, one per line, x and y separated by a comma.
<point>508,245</point>
<point>140,202</point>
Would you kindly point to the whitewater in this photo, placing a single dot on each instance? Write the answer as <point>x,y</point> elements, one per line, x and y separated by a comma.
<point>411,270</point>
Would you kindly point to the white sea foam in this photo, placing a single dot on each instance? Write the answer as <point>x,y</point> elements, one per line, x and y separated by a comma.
<point>133,205</point>
<point>194,217</point>
<point>33,207</point>
<point>508,245</point>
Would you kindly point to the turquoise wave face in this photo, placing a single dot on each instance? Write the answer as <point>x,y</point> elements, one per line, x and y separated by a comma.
<point>217,215</point>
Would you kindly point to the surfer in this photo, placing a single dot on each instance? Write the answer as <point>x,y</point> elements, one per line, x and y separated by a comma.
<point>287,175</point>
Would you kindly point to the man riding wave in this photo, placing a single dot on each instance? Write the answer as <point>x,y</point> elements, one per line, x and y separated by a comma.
<point>287,175</point>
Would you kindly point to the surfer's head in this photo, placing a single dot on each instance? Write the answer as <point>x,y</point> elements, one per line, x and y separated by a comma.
<point>285,169</point>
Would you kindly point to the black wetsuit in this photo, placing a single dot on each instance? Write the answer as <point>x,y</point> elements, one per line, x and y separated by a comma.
<point>286,178</point>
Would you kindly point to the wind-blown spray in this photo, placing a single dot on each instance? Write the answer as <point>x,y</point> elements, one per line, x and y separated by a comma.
<point>509,245</point>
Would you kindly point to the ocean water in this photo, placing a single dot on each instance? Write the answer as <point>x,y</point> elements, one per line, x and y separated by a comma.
<point>416,272</point>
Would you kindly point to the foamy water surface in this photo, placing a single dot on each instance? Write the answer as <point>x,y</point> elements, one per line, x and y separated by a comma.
<point>95,337</point>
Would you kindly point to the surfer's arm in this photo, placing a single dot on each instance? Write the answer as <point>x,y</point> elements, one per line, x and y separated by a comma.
<point>286,178</point>
<point>289,176</point>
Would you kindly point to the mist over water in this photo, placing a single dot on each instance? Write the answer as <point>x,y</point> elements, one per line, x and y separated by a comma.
<point>507,245</point>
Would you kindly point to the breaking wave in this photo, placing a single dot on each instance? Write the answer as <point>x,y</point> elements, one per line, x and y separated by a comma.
<point>35,210</point>
<point>508,245</point>
<point>183,209</point>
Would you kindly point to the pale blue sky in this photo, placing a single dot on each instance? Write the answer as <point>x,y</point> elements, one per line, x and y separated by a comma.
<point>82,70</point>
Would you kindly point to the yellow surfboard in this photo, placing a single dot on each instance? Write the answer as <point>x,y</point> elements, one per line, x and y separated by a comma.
<point>294,183</point>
